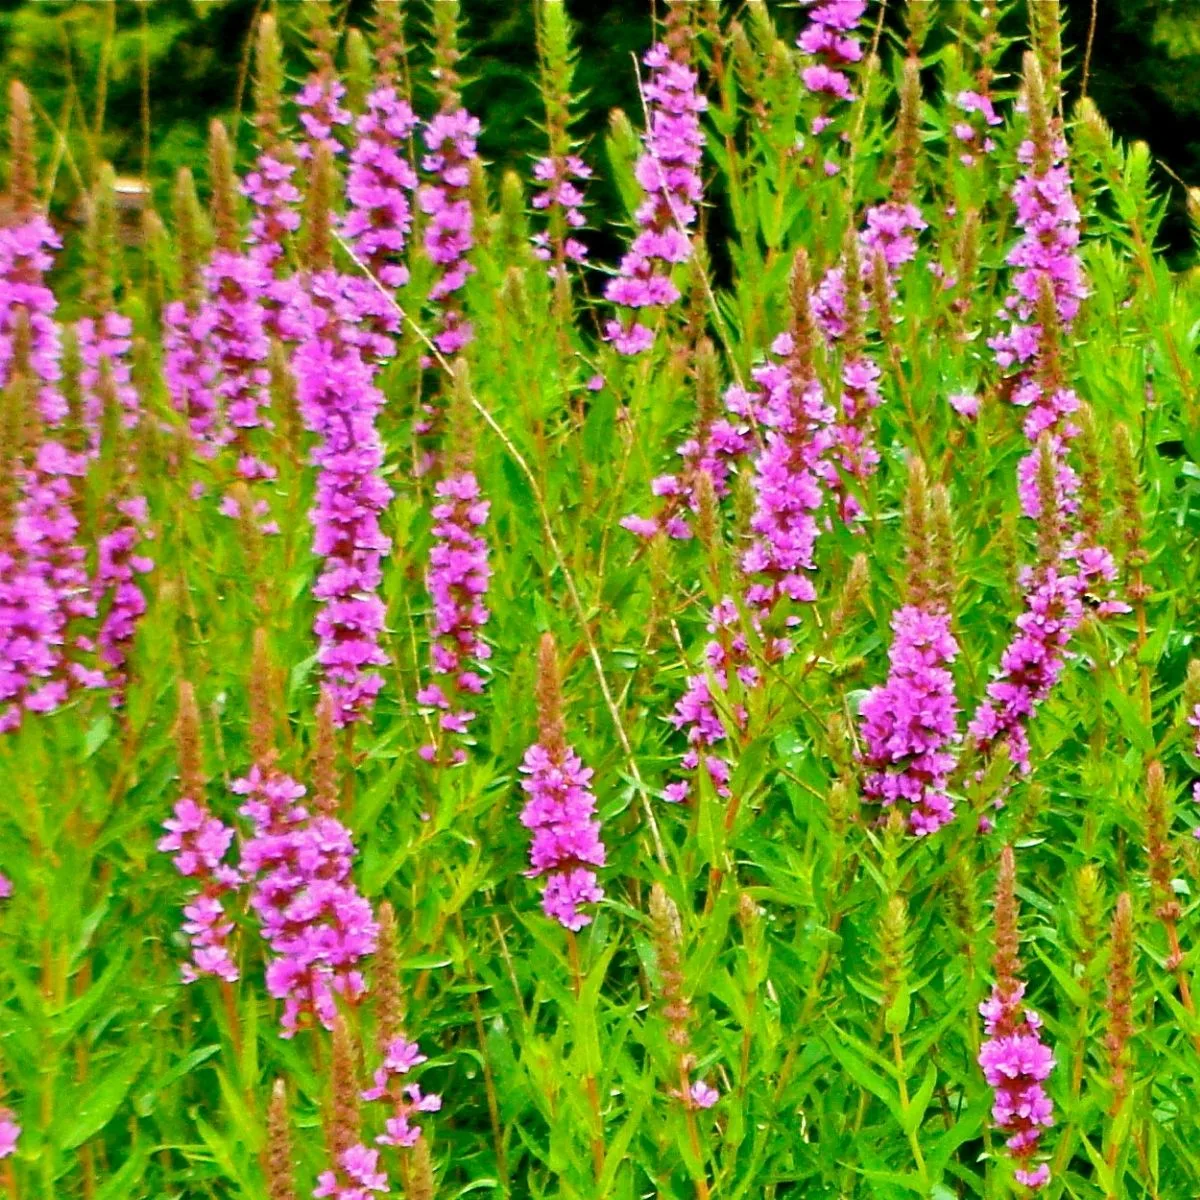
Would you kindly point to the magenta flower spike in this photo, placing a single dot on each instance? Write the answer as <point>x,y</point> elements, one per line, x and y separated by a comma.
<point>560,812</point>
<point>334,320</point>
<point>405,1101</point>
<point>315,921</point>
<point>668,171</point>
<point>909,724</point>
<point>449,232</point>
<point>380,181</point>
<point>457,580</point>
<point>1048,288</point>
<point>200,843</point>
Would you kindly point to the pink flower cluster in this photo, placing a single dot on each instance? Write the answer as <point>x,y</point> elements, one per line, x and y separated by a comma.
<point>115,590</point>
<point>566,847</point>
<point>189,371</point>
<point>378,186</point>
<point>10,1132</point>
<point>335,321</point>
<point>104,348</point>
<point>972,131</point>
<point>236,286</point>
<point>1194,721</point>
<point>275,200</point>
<point>1047,252</point>
<point>792,473</point>
<point>711,451</point>
<point>829,43</point>
<point>450,231</point>
<point>668,171</point>
<point>321,113</point>
<point>1016,1063</point>
<point>26,254</point>
<point>405,1100</point>
<point>1034,659</point>
<point>457,580</point>
<point>1054,592</point>
<point>45,589</point>
<point>315,921</point>
<point>354,1177</point>
<point>910,722</point>
<point>199,841</point>
<point>562,200</point>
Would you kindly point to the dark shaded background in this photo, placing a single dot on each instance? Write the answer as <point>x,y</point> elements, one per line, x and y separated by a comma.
<point>1145,75</point>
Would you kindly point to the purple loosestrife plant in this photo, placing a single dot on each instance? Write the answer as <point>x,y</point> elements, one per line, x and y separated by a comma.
<point>380,181</point>
<point>909,724</point>
<point>561,810</point>
<point>1015,1061</point>
<point>335,321</point>
<point>189,371</point>
<point>236,286</point>
<point>405,1101</point>
<point>10,1132</point>
<point>712,450</point>
<point>829,46</point>
<point>457,580</point>
<point>561,174</point>
<point>449,231</point>
<point>318,926</point>
<point>199,843</point>
<point>792,473</point>
<point>668,171</point>
<point>270,185</point>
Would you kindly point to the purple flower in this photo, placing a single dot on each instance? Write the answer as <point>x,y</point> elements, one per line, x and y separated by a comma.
<point>357,1175</point>
<point>561,815</point>
<point>450,230</point>
<point>669,174</point>
<point>335,321</point>
<point>190,372</point>
<point>1016,1064</point>
<point>910,722</point>
<point>10,1132</point>
<point>26,254</point>
<point>276,207</point>
<point>562,201</point>
<point>104,347</point>
<point>457,580</point>
<point>829,46</point>
<point>317,924</point>
<point>704,1096</point>
<point>321,112</point>
<point>200,842</point>
<point>405,1100</point>
<point>380,180</point>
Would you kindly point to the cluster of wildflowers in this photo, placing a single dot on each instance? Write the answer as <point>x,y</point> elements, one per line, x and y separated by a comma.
<point>322,111</point>
<point>562,201</point>
<point>450,229</point>
<point>316,923</point>
<point>270,185</point>
<point>26,254</point>
<point>378,186</point>
<point>457,581</point>
<point>405,1101</point>
<point>199,843</point>
<point>979,115</point>
<point>711,451</point>
<point>910,723</point>
<point>1015,1060</point>
<point>116,592</point>
<point>358,1167</point>
<point>1048,288</point>
<point>335,320</point>
<point>561,809</point>
<point>668,171</point>
<point>793,473</point>
<point>189,371</point>
<point>829,47</point>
